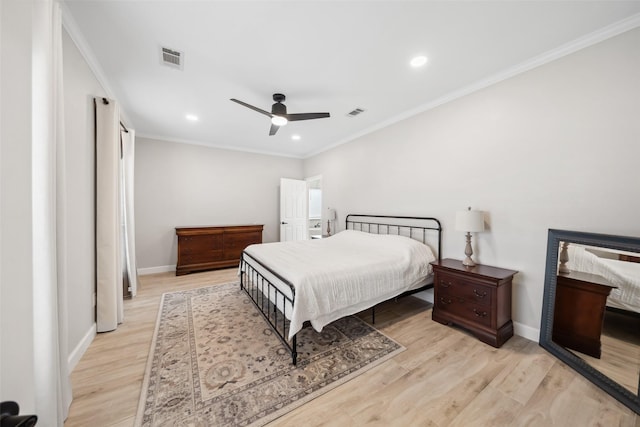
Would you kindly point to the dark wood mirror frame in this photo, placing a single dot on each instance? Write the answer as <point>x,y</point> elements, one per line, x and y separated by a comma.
<point>631,244</point>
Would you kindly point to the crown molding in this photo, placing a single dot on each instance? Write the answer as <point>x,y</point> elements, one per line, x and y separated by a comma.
<point>580,43</point>
<point>568,48</point>
<point>216,146</point>
<point>74,32</point>
<point>69,24</point>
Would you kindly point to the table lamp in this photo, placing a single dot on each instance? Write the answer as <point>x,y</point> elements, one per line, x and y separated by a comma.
<point>470,222</point>
<point>331,217</point>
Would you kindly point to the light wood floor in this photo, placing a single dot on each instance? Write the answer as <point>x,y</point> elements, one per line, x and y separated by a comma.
<point>444,378</point>
<point>620,359</point>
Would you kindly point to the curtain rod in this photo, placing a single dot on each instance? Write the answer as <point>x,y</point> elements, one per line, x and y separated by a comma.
<point>105,101</point>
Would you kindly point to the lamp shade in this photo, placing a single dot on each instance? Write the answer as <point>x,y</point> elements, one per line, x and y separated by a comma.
<point>470,221</point>
<point>332,214</point>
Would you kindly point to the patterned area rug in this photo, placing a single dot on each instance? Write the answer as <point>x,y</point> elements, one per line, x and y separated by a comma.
<point>215,361</point>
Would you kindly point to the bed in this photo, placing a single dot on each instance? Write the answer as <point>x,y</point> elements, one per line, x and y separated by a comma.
<point>376,258</point>
<point>624,275</point>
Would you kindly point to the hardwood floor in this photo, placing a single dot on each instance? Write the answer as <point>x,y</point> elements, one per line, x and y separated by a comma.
<point>620,358</point>
<point>445,377</point>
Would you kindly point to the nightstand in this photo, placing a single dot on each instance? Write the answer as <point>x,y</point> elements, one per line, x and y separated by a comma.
<point>475,298</point>
<point>578,316</point>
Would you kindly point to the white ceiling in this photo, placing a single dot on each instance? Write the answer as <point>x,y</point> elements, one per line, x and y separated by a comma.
<point>329,56</point>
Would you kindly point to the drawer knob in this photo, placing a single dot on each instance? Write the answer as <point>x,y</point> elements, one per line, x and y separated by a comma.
<point>445,301</point>
<point>479,313</point>
<point>478,294</point>
<point>445,284</point>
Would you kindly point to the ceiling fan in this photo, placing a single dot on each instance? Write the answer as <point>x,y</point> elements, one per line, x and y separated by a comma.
<point>278,114</point>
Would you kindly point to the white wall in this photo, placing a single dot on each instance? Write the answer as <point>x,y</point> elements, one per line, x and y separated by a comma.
<point>556,147</point>
<point>78,195</point>
<point>18,331</point>
<point>191,185</point>
<point>17,379</point>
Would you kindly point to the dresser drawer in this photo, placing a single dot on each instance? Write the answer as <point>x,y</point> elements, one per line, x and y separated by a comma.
<point>190,244</point>
<point>469,290</point>
<point>454,305</point>
<point>200,257</point>
<point>235,243</point>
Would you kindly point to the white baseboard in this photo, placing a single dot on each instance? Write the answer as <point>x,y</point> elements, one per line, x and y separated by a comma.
<point>82,346</point>
<point>532,334</point>
<point>154,270</point>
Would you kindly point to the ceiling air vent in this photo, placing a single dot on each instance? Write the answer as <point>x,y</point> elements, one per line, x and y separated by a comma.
<point>172,58</point>
<point>355,112</point>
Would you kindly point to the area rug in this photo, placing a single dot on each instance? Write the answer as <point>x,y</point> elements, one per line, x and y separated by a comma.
<point>215,361</point>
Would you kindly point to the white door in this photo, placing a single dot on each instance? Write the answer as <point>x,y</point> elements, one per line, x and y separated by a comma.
<point>294,201</point>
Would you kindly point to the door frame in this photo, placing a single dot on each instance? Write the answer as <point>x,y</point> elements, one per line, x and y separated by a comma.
<point>310,180</point>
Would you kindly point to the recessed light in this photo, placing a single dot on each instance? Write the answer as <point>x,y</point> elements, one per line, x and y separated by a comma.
<point>295,137</point>
<point>191,117</point>
<point>418,61</point>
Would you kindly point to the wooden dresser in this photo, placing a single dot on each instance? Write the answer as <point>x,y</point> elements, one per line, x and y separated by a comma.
<point>477,299</point>
<point>208,248</point>
<point>579,311</point>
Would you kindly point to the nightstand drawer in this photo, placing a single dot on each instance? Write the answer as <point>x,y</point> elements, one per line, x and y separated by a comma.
<point>457,306</point>
<point>469,290</point>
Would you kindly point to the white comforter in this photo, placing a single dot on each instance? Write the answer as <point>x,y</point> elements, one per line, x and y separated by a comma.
<point>344,274</point>
<point>624,275</point>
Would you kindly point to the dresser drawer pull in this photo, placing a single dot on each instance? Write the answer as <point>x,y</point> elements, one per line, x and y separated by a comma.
<point>480,295</point>
<point>445,301</point>
<point>479,313</point>
<point>445,284</point>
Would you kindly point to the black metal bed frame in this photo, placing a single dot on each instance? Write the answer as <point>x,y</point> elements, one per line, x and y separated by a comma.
<point>274,309</point>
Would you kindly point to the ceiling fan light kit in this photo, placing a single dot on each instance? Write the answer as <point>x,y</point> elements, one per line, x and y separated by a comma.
<point>279,115</point>
<point>279,121</point>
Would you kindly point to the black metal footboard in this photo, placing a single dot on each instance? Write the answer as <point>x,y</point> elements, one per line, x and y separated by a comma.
<point>269,299</point>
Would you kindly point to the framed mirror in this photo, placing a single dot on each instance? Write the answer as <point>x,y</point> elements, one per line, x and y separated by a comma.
<point>591,309</point>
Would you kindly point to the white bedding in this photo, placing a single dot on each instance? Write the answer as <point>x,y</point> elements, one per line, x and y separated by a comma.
<point>344,274</point>
<point>625,275</point>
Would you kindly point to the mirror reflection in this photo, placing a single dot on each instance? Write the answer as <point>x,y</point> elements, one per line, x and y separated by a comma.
<point>597,309</point>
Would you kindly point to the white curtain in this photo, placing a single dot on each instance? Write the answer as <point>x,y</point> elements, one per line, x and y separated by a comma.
<point>109,278</point>
<point>53,386</point>
<point>128,222</point>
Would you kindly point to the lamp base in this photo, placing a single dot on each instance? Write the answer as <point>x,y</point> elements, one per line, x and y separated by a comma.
<point>564,258</point>
<point>468,251</point>
<point>468,262</point>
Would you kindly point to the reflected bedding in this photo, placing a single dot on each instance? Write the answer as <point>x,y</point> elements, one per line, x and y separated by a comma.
<point>622,274</point>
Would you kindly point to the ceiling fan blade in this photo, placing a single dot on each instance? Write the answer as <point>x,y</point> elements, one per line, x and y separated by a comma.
<point>273,129</point>
<point>259,110</point>
<point>306,116</point>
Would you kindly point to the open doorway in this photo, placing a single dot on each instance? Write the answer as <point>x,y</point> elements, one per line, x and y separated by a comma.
<point>314,185</point>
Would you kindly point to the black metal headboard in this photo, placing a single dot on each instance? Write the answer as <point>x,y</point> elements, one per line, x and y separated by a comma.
<point>414,227</point>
